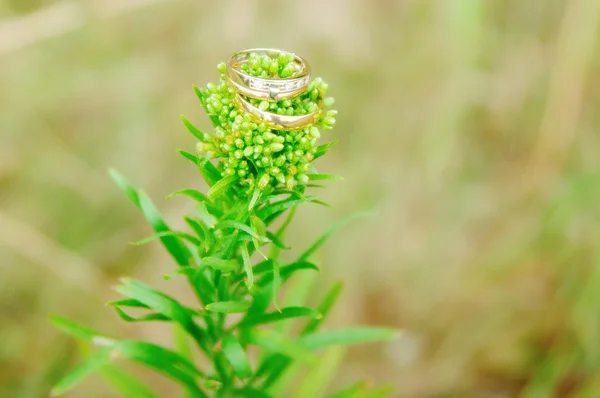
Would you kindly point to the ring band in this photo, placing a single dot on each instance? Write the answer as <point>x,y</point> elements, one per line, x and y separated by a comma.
<point>280,122</point>
<point>263,88</point>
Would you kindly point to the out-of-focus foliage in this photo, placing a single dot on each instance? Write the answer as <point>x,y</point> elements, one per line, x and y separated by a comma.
<point>469,126</point>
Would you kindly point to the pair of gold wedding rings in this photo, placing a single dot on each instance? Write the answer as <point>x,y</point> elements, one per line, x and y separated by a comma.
<point>270,89</point>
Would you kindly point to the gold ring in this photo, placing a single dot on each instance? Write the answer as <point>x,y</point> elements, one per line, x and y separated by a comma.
<point>280,122</point>
<point>266,88</point>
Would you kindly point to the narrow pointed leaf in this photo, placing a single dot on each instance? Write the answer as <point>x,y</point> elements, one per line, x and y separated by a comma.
<point>285,272</point>
<point>321,375</point>
<point>324,308</point>
<point>231,224</point>
<point>277,242</point>
<point>280,206</point>
<point>209,172</point>
<point>285,313</point>
<point>235,354</point>
<point>125,383</point>
<point>323,238</point>
<point>276,283</point>
<point>166,306</point>
<point>205,215</point>
<point>322,149</point>
<point>148,317</point>
<point>204,286</point>
<point>163,360</point>
<point>173,245</point>
<point>220,264</point>
<point>192,129</point>
<point>183,235</point>
<point>221,186</point>
<point>128,303</point>
<point>197,196</point>
<point>77,330</point>
<point>91,364</point>
<point>228,307</point>
<point>319,177</point>
<point>351,336</point>
<point>255,196</point>
<point>247,266</point>
<point>279,343</point>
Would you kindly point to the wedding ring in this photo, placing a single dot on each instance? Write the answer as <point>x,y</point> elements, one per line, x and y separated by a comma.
<point>280,122</point>
<point>269,89</point>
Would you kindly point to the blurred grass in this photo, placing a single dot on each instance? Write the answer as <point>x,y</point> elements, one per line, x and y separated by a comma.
<point>470,126</point>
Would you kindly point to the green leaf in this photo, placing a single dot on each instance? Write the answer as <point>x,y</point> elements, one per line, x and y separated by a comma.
<point>220,264</point>
<point>204,286</point>
<point>285,313</point>
<point>247,266</point>
<point>280,206</point>
<point>222,186</point>
<point>235,354</point>
<point>163,360</point>
<point>148,317</point>
<point>228,307</point>
<point>323,238</point>
<point>189,156</point>
<point>255,196</point>
<point>231,224</point>
<point>209,172</point>
<point>205,215</point>
<point>319,177</point>
<point>183,235</point>
<point>321,375</point>
<point>172,243</point>
<point>166,306</point>
<point>285,272</point>
<point>276,241</point>
<point>350,336</point>
<point>324,308</point>
<point>91,364</point>
<point>279,343</point>
<point>276,284</point>
<point>322,149</point>
<point>192,129</point>
<point>198,197</point>
<point>128,303</point>
<point>125,383</point>
<point>80,331</point>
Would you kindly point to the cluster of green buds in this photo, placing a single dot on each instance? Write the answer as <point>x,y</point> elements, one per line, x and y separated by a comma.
<point>258,155</point>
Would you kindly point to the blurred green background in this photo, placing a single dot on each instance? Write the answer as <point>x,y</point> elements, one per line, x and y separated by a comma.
<point>470,127</point>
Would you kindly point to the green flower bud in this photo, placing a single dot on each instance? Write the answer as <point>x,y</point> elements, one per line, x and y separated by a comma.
<point>302,178</point>
<point>276,147</point>
<point>280,161</point>
<point>263,105</point>
<point>264,181</point>
<point>290,182</point>
<point>248,151</point>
